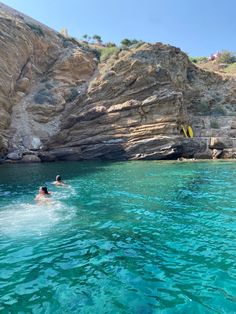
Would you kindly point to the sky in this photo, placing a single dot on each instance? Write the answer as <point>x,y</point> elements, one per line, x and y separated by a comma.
<point>198,27</point>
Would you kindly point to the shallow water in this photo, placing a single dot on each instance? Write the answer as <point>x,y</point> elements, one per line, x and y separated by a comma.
<point>132,237</point>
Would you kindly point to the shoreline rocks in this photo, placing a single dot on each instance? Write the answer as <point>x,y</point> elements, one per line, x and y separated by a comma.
<point>61,103</point>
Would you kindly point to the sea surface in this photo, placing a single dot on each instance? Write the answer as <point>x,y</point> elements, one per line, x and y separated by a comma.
<point>126,237</point>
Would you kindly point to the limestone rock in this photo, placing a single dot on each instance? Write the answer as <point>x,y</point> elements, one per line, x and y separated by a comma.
<point>23,84</point>
<point>207,154</point>
<point>3,146</point>
<point>229,153</point>
<point>233,124</point>
<point>14,156</point>
<point>220,143</point>
<point>46,157</point>
<point>59,100</point>
<point>216,153</point>
<point>191,146</point>
<point>30,158</point>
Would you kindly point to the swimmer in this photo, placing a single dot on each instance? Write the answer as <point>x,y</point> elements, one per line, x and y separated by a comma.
<point>59,181</point>
<point>43,194</point>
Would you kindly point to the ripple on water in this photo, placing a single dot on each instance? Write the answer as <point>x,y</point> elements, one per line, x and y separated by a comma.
<point>123,238</point>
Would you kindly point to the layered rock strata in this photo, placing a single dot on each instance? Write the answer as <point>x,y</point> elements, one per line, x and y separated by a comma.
<point>59,102</point>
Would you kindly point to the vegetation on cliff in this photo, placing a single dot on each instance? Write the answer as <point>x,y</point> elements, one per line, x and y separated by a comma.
<point>223,62</point>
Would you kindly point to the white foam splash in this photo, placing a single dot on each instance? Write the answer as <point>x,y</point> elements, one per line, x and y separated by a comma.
<point>63,192</point>
<point>21,219</point>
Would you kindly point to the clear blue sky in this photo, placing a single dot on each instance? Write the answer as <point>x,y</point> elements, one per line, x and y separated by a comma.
<point>198,27</point>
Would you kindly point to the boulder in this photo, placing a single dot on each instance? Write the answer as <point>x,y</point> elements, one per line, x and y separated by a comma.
<point>35,143</point>
<point>14,156</point>
<point>220,143</point>
<point>233,124</point>
<point>30,158</point>
<point>46,157</point>
<point>229,153</point>
<point>193,146</point>
<point>216,153</point>
<point>23,84</point>
<point>207,154</point>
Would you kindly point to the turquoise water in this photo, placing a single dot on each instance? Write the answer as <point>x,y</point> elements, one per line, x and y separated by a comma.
<point>132,237</point>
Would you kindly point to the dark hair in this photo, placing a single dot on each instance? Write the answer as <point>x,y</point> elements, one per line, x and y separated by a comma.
<point>44,189</point>
<point>58,178</point>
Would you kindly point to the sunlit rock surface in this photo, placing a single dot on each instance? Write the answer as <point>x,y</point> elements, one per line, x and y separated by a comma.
<point>59,102</point>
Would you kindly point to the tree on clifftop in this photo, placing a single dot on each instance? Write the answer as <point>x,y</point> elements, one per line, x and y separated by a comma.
<point>128,42</point>
<point>226,56</point>
<point>97,38</point>
<point>110,44</point>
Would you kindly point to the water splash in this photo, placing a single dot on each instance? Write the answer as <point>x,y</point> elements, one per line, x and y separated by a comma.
<point>24,219</point>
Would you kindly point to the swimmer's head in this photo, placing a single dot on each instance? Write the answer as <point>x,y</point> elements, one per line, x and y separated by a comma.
<point>58,178</point>
<point>43,190</point>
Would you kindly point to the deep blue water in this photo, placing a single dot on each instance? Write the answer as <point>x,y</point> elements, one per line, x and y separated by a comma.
<point>130,237</point>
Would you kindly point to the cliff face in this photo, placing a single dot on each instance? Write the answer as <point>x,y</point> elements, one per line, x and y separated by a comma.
<point>58,101</point>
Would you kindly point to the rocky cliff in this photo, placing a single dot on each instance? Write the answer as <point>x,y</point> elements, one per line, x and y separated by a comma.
<point>58,101</point>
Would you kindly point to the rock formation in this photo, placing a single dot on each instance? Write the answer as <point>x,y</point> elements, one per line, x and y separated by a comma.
<point>58,101</point>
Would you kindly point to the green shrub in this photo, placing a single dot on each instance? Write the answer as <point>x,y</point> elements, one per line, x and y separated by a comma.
<point>138,44</point>
<point>107,52</point>
<point>203,107</point>
<point>68,41</point>
<point>44,96</point>
<point>218,110</point>
<point>110,44</point>
<point>226,57</point>
<point>84,45</point>
<point>35,28</point>
<point>125,42</point>
<point>198,59</point>
<point>129,42</point>
<point>231,68</point>
<point>97,38</point>
<point>214,124</point>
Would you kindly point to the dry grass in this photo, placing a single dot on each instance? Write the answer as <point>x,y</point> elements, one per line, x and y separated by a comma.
<point>226,69</point>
